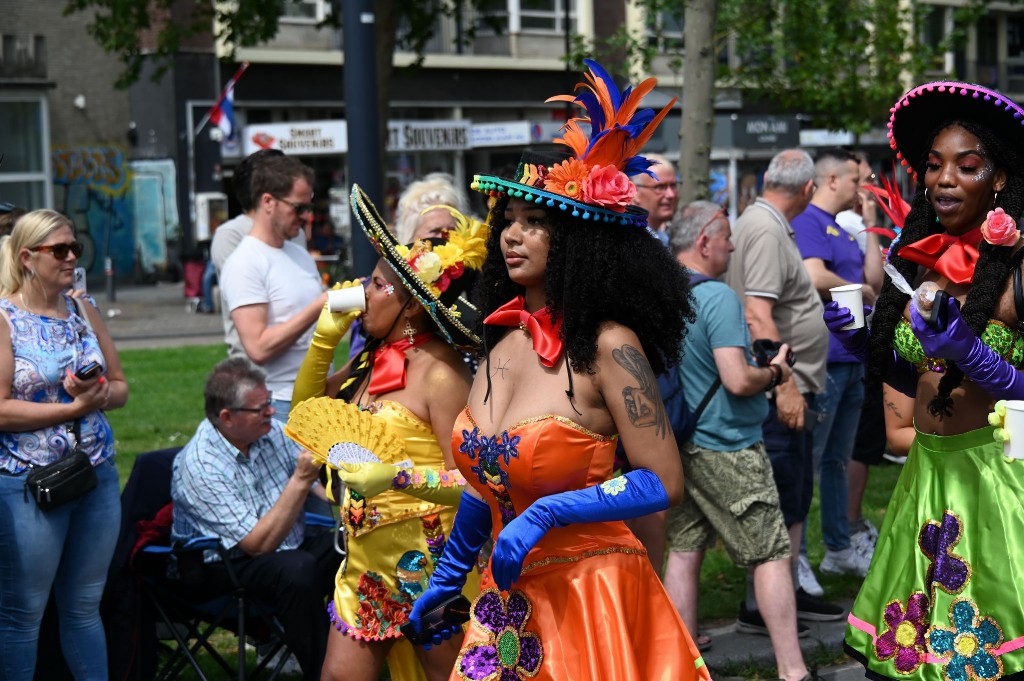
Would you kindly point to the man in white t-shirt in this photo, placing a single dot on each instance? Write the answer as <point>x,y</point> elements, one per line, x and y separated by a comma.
<point>270,286</point>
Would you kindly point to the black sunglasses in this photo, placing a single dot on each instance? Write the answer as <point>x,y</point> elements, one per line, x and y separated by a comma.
<point>299,208</point>
<point>60,251</point>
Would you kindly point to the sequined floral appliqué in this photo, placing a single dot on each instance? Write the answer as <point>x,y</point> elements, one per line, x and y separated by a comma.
<point>937,540</point>
<point>904,640</point>
<point>510,652</point>
<point>969,644</point>
<point>380,612</point>
<point>489,452</point>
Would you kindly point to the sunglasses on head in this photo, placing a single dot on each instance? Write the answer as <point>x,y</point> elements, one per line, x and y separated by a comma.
<point>60,251</point>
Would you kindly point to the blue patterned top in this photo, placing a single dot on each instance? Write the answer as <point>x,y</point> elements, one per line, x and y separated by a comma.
<point>44,348</point>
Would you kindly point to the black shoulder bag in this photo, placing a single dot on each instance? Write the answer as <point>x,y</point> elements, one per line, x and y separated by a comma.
<point>64,480</point>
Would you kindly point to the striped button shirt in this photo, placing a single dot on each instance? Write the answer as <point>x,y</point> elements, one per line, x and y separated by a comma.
<point>218,491</point>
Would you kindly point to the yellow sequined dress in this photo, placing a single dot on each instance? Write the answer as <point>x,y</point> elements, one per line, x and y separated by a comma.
<point>394,542</point>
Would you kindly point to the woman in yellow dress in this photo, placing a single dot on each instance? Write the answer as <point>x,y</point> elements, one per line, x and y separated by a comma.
<point>397,514</point>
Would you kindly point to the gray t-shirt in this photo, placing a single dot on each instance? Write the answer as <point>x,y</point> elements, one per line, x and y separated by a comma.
<point>767,263</point>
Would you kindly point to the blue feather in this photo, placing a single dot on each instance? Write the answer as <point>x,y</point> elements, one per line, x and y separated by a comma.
<point>637,165</point>
<point>613,89</point>
<point>588,100</point>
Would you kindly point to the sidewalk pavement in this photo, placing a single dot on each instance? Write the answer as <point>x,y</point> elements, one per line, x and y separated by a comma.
<point>156,316</point>
<point>731,649</point>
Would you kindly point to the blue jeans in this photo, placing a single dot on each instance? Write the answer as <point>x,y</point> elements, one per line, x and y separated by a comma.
<point>834,436</point>
<point>209,280</point>
<point>69,549</point>
<point>281,409</point>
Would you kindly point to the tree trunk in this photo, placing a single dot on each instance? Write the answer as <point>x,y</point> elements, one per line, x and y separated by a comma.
<point>698,99</point>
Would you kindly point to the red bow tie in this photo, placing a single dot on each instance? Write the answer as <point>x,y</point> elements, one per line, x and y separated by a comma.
<point>389,362</point>
<point>954,257</point>
<point>544,332</point>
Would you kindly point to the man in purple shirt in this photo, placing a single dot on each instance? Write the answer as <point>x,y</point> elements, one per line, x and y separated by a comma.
<point>833,258</point>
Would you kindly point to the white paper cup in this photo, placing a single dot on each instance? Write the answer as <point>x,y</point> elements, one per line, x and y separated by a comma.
<point>850,296</point>
<point>1014,426</point>
<point>347,299</point>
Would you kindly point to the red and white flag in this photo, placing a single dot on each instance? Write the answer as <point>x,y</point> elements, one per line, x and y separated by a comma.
<point>223,112</point>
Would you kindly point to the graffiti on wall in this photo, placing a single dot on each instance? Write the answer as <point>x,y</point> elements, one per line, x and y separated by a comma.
<point>91,186</point>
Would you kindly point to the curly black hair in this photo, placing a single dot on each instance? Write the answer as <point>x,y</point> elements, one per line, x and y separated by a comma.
<point>991,272</point>
<point>597,272</point>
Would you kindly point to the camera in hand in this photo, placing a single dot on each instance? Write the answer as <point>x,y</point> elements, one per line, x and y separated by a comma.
<point>449,613</point>
<point>89,371</point>
<point>765,350</point>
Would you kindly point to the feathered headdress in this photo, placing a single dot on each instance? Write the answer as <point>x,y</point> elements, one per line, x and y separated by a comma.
<point>594,182</point>
<point>892,203</point>
<point>436,271</point>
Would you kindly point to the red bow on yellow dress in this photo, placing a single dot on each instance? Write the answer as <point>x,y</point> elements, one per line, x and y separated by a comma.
<point>544,332</point>
<point>954,257</point>
<point>389,362</point>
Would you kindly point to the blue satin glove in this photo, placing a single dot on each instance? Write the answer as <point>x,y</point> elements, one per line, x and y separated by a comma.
<point>471,529</point>
<point>980,363</point>
<point>634,494</point>
<point>855,341</point>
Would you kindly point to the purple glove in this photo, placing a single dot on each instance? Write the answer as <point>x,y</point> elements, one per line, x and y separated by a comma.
<point>855,341</point>
<point>980,363</point>
<point>634,494</point>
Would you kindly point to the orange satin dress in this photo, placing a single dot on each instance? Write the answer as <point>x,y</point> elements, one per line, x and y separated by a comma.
<point>588,604</point>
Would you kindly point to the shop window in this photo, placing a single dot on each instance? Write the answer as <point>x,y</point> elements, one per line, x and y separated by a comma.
<point>24,141</point>
<point>304,11</point>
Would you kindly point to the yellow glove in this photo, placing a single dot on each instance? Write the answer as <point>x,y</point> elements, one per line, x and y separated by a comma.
<point>311,381</point>
<point>436,486</point>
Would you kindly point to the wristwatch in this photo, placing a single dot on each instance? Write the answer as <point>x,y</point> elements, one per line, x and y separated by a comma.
<point>776,376</point>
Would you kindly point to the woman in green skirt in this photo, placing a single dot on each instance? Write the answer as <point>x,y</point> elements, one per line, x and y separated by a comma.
<point>944,598</point>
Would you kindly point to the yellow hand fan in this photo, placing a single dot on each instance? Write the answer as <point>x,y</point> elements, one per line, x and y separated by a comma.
<point>337,432</point>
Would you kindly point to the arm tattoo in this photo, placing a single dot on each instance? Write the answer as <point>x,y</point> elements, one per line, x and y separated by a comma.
<point>891,406</point>
<point>643,403</point>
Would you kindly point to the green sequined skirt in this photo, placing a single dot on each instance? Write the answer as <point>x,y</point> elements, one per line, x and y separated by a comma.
<point>944,598</point>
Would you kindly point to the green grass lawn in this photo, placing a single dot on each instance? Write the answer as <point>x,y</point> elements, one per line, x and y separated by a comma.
<point>165,406</point>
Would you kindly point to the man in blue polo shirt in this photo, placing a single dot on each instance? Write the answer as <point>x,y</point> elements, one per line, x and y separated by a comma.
<point>833,258</point>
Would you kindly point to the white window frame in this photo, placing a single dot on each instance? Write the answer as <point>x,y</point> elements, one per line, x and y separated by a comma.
<point>45,175</point>
<point>320,12</point>
<point>516,14</point>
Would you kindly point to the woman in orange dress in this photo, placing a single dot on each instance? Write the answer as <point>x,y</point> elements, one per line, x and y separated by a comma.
<point>583,306</point>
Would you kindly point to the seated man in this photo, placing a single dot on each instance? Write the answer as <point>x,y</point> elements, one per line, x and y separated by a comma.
<point>239,478</point>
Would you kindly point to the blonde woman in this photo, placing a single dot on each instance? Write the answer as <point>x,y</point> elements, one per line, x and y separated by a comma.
<point>45,338</point>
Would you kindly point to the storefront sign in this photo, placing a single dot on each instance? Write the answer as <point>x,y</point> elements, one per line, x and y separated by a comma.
<point>305,138</point>
<point>500,134</point>
<point>428,135</point>
<point>754,132</point>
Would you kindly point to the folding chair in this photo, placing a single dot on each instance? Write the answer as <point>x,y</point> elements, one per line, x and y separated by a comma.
<point>170,586</point>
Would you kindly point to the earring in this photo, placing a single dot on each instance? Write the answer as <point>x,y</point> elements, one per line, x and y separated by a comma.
<point>409,332</point>
<point>926,192</point>
<point>995,198</point>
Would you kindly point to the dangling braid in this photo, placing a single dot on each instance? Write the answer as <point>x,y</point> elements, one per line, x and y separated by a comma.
<point>990,274</point>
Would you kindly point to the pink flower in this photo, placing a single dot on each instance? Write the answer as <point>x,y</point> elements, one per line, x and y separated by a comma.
<point>999,229</point>
<point>609,187</point>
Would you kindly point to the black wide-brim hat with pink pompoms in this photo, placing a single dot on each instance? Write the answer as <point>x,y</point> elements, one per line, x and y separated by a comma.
<point>917,115</point>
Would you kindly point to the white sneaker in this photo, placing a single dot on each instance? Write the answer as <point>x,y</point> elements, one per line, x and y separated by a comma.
<point>863,536</point>
<point>808,582</point>
<point>849,561</point>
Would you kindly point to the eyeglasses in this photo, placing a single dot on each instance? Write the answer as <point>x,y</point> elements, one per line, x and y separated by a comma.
<point>262,409</point>
<point>60,251</point>
<point>299,208</point>
<point>661,187</point>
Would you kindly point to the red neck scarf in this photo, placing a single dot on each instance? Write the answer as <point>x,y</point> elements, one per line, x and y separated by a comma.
<point>954,257</point>
<point>389,362</point>
<point>539,325</point>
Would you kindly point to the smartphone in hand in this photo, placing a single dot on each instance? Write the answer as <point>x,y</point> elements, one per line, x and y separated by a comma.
<point>79,283</point>
<point>449,613</point>
<point>90,370</point>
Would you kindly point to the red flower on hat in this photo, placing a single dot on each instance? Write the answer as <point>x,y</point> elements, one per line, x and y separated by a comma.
<point>609,187</point>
